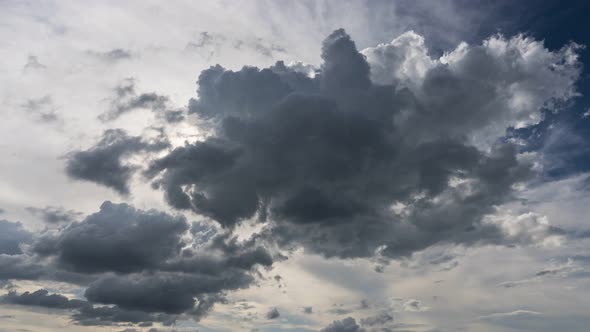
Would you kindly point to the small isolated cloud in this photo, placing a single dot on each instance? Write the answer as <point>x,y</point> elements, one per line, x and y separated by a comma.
<point>125,280</point>
<point>339,309</point>
<point>33,64</point>
<point>104,163</point>
<point>273,313</point>
<point>126,100</point>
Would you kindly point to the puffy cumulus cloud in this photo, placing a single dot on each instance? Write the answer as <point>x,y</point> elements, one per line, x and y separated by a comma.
<point>347,167</point>
<point>478,90</point>
<point>127,100</point>
<point>12,236</point>
<point>104,163</point>
<point>114,55</point>
<point>42,298</point>
<point>346,325</point>
<point>380,319</point>
<point>167,292</point>
<point>137,267</point>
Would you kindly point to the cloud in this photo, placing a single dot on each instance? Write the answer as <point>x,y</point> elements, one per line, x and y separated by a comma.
<point>33,64</point>
<point>114,239</point>
<point>42,298</point>
<point>113,315</point>
<point>382,318</point>
<point>83,312</point>
<point>126,100</point>
<point>516,313</point>
<point>103,163</point>
<point>55,214</point>
<point>212,44</point>
<point>273,313</point>
<point>42,109</point>
<point>346,167</point>
<point>28,267</point>
<point>414,305</point>
<point>115,54</point>
<point>135,266</point>
<point>453,85</point>
<point>553,272</point>
<point>346,325</point>
<point>12,235</point>
<point>405,59</point>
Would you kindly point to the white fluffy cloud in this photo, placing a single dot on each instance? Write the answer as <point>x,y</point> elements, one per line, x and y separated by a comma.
<point>504,82</point>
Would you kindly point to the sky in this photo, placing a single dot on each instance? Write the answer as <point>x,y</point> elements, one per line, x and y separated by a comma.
<point>329,165</point>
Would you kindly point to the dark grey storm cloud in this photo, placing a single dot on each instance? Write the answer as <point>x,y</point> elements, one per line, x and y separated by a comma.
<point>380,319</point>
<point>326,159</point>
<point>104,162</point>
<point>126,99</point>
<point>55,214</point>
<point>42,298</point>
<point>136,266</point>
<point>346,325</point>
<point>12,235</point>
<point>84,312</point>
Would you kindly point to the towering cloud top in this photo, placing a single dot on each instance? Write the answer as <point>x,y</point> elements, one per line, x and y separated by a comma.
<point>349,167</point>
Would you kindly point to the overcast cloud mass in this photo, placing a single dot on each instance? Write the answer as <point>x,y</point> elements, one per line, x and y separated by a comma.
<point>333,166</point>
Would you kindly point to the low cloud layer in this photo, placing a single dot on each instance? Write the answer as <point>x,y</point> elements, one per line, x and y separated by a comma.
<point>289,184</point>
